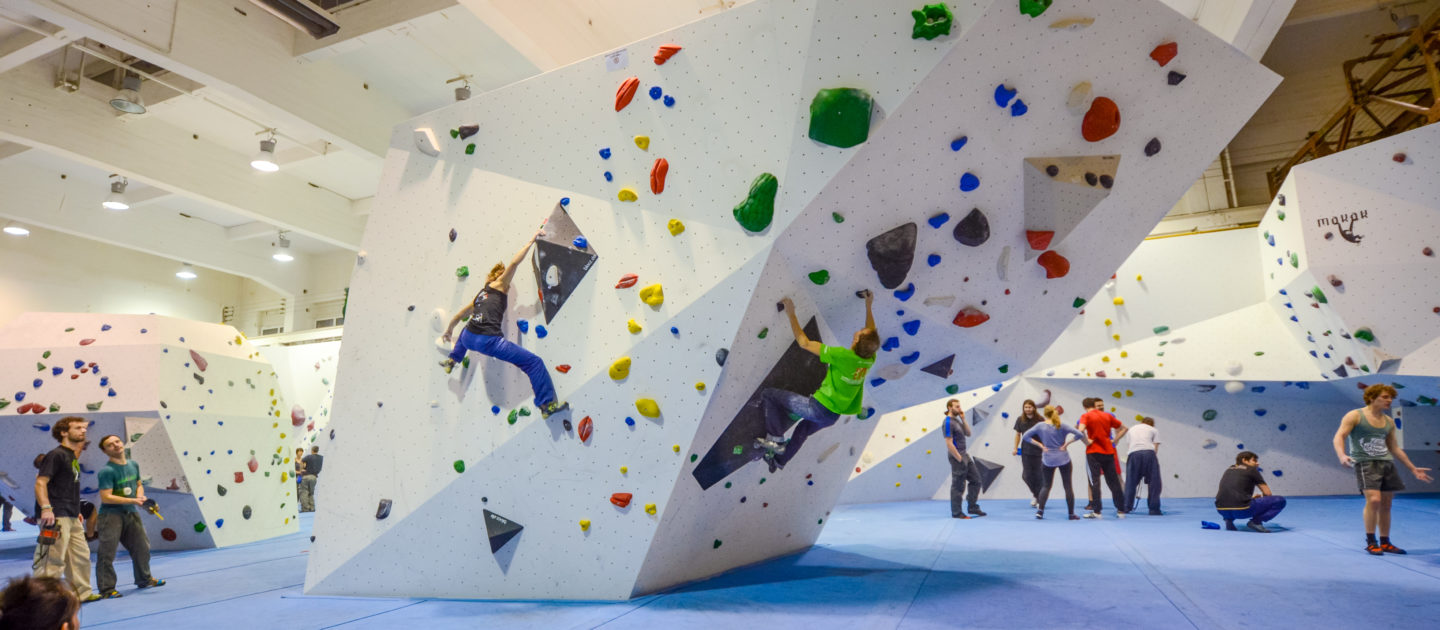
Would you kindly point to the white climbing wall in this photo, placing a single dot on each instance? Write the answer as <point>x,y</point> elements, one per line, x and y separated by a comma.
<point>742,89</point>
<point>205,431</point>
<point>307,379</point>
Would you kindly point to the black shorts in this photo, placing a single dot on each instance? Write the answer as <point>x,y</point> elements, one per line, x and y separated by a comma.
<point>1378,475</point>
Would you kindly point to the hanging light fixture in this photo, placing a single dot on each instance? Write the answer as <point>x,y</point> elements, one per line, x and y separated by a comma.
<point>128,99</point>
<point>14,228</point>
<point>116,199</point>
<point>282,250</point>
<point>264,160</point>
<point>186,273</point>
<point>463,91</point>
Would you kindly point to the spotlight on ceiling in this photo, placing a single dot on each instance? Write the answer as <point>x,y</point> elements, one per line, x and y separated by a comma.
<point>282,250</point>
<point>463,92</point>
<point>116,199</point>
<point>14,228</point>
<point>186,273</point>
<point>264,160</point>
<point>128,99</point>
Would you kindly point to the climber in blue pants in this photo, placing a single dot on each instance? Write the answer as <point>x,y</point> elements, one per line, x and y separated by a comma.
<point>483,333</point>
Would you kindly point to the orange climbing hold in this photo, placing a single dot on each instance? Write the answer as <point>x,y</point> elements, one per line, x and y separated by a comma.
<point>626,92</point>
<point>626,281</point>
<point>563,368</point>
<point>621,499</point>
<point>1056,266</point>
<point>657,175</point>
<point>1164,53</point>
<point>1039,240</point>
<point>1102,121</point>
<point>665,52</point>
<point>970,317</point>
<point>587,426</point>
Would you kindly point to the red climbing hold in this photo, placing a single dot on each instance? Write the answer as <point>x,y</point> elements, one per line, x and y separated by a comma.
<point>664,53</point>
<point>1102,121</point>
<point>297,416</point>
<point>200,361</point>
<point>1399,158</point>
<point>657,175</point>
<point>86,342</point>
<point>1039,240</point>
<point>1164,53</point>
<point>621,499</point>
<point>626,281</point>
<point>168,534</point>
<point>563,368</point>
<point>587,426</point>
<point>626,92</point>
<point>1056,266</point>
<point>240,476</point>
<point>970,317</point>
<point>74,376</point>
<point>253,464</point>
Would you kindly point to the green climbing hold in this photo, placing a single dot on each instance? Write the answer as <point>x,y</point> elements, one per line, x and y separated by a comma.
<point>1280,215</point>
<point>69,330</point>
<point>758,209</point>
<point>1079,302</point>
<point>820,277</point>
<point>54,407</point>
<point>4,403</point>
<point>524,411</point>
<point>464,364</point>
<point>459,465</point>
<point>1366,334</point>
<point>454,133</point>
<point>199,527</point>
<point>727,484</point>
<point>694,457</point>
<point>836,217</point>
<point>39,367</point>
<point>1319,295</point>
<point>931,21</point>
<point>840,117</point>
<point>1209,414</point>
<point>1005,368</point>
<point>1295,260</point>
<point>1034,8</point>
<point>514,415</point>
<point>462,272</point>
<point>46,355</point>
<point>738,450</point>
<point>952,389</point>
<point>95,406</point>
<point>1259,353</point>
<point>470,149</point>
<point>762,481</point>
<point>1160,329</point>
<point>717,544</point>
<point>1426,400</point>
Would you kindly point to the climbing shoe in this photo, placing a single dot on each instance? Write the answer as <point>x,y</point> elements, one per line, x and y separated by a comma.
<point>448,364</point>
<point>553,408</point>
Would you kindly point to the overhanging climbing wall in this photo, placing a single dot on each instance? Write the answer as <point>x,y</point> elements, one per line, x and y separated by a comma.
<point>854,130</point>
<point>195,400</point>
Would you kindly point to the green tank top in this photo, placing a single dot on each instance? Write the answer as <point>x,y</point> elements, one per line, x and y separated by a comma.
<point>1367,442</point>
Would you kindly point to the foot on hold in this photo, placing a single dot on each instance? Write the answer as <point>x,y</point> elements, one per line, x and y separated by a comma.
<point>448,364</point>
<point>1374,549</point>
<point>1092,515</point>
<point>975,511</point>
<point>1256,526</point>
<point>1074,518</point>
<point>552,408</point>
<point>771,444</point>
<point>1389,548</point>
<point>1230,526</point>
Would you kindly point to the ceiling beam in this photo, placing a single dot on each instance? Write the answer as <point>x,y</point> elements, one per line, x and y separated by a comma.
<point>11,149</point>
<point>39,198</point>
<point>31,44</point>
<point>154,152</point>
<point>361,21</point>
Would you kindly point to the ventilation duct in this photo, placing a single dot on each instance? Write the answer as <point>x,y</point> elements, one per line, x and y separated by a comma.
<point>301,14</point>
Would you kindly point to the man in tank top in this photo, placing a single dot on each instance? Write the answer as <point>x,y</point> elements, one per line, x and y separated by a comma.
<point>1368,434</point>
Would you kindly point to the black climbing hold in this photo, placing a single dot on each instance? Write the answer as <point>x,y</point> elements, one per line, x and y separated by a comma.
<point>411,308</point>
<point>1152,147</point>
<point>332,434</point>
<point>942,368</point>
<point>973,230</point>
<point>1091,179</point>
<point>246,512</point>
<point>453,235</point>
<point>312,539</point>
<point>383,511</point>
<point>499,529</point>
<point>1052,170</point>
<point>1281,199</point>
<point>1341,372</point>
<point>1107,181</point>
<point>721,355</point>
<point>221,490</point>
<point>892,253</point>
<point>567,425</point>
<point>198,378</point>
<point>779,307</point>
<point>1174,78</point>
<point>560,266</point>
<point>468,130</point>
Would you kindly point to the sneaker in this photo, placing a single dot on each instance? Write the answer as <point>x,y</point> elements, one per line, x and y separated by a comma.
<point>960,516</point>
<point>154,582</point>
<point>1074,518</point>
<point>1230,526</point>
<point>110,594</point>
<point>93,597</point>
<point>1120,514</point>
<point>1092,515</point>
<point>553,408</point>
<point>1389,548</point>
<point>1374,549</point>
<point>448,364</point>
<point>7,528</point>
<point>1034,503</point>
<point>1039,516</point>
<point>975,511</point>
<point>1255,526</point>
<point>1156,513</point>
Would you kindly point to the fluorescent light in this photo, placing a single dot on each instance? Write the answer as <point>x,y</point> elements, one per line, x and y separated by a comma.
<point>116,199</point>
<point>15,229</point>
<point>186,273</point>
<point>264,160</point>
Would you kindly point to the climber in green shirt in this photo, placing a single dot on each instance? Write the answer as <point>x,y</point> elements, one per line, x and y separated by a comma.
<point>839,394</point>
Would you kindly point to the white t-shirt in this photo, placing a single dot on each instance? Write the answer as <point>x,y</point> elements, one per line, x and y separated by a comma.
<point>1143,437</point>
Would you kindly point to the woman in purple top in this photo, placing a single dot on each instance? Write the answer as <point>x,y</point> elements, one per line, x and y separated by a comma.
<point>1053,437</point>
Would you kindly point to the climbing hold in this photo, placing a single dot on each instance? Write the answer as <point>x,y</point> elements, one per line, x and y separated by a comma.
<point>675,227</point>
<point>1174,78</point>
<point>470,149</point>
<point>973,230</point>
<point>758,208</point>
<point>1365,334</point>
<point>609,177</point>
<point>938,220</point>
<point>656,93</point>
<point>721,355</point>
<point>620,369</point>
<point>459,465</point>
<point>891,254</point>
<point>1034,8</point>
<point>1102,121</point>
<point>1075,102</point>
<point>665,52</point>
<point>627,194</point>
<point>819,277</point>
<point>584,524</point>
<point>1118,301</point>
<point>587,426</point>
<point>1018,108</point>
<point>626,281</point>
<point>1320,295</point>
<point>626,92</point>
<point>523,325</point>
<point>648,407</point>
<point>563,368</point>
<point>1073,24</point>
<point>970,317</point>
<point>669,101</point>
<point>382,511</point>
<point>200,362</point>
<point>1039,240</point>
<point>1152,147</point>
<point>840,117</point>
<point>969,182</point>
<point>952,389</point>
<point>1164,53</point>
<point>654,295</point>
<point>465,131</point>
<point>911,327</point>
<point>86,342</point>
<point>650,509</point>
<point>539,332</point>
<point>959,143</point>
<point>657,175</point>
<point>605,153</point>
<point>763,332</point>
<point>462,272</point>
<point>632,326</point>
<point>1003,95</point>
<point>1056,266</point>
<point>905,294</point>
<point>835,216</point>
<point>932,260</point>
<point>621,499</point>
<point>1209,415</point>
<point>931,21</point>
<point>643,142</point>
<point>700,386</point>
<point>1234,387</point>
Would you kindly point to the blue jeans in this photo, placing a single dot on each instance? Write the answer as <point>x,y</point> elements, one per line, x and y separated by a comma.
<point>1138,465</point>
<point>1261,509</point>
<point>778,404</point>
<point>498,347</point>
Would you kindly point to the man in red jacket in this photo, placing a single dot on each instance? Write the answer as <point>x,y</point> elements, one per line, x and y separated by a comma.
<point>1100,455</point>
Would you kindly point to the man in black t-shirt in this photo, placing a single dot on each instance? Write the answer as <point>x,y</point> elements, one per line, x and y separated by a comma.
<point>1233,499</point>
<point>57,493</point>
<point>312,462</point>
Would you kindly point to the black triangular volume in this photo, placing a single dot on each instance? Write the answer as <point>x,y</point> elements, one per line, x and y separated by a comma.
<point>565,267</point>
<point>892,253</point>
<point>500,529</point>
<point>942,368</point>
<point>988,472</point>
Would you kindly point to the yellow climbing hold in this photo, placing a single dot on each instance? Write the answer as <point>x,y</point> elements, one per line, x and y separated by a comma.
<point>1129,393</point>
<point>624,470</point>
<point>1139,417</point>
<point>1105,359</point>
<point>1119,301</point>
<point>648,408</point>
<point>634,327</point>
<point>584,524</point>
<point>650,508</point>
<point>676,448</point>
<point>643,142</point>
<point>927,451</point>
<point>1116,394</point>
<point>899,465</point>
<point>1107,322</point>
<point>897,484</point>
<point>654,295</point>
<point>917,476</point>
<point>1116,337</point>
<point>620,368</point>
<point>627,194</point>
<point>284,476</point>
<point>1124,354</point>
<point>1139,278</point>
<point>675,227</point>
<point>700,386</point>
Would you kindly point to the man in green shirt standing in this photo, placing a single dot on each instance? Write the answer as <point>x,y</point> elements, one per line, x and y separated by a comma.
<point>839,394</point>
<point>119,522</point>
<point>1369,435</point>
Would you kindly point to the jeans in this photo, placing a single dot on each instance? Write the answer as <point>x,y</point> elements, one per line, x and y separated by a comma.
<point>307,493</point>
<point>779,404</point>
<point>1142,464</point>
<point>1049,482</point>
<point>964,471</point>
<point>1030,472</point>
<point>115,529</point>
<point>1103,465</point>
<point>496,346</point>
<point>1261,509</point>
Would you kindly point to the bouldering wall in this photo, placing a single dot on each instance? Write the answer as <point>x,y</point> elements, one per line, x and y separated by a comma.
<point>196,402</point>
<point>306,374</point>
<point>691,182</point>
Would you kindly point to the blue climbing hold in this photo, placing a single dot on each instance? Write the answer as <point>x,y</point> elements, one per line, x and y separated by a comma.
<point>1209,525</point>
<point>629,421</point>
<point>674,330</point>
<point>104,381</point>
<point>1005,414</point>
<point>1271,239</point>
<point>890,343</point>
<point>1018,108</point>
<point>40,426</point>
<point>669,101</point>
<point>541,332</point>
<point>1303,385</point>
<point>938,220</point>
<point>1294,318</point>
<point>19,396</point>
<point>656,93</point>
<point>958,143</point>
<point>55,371</point>
<point>605,153</point>
<point>1260,412</point>
<point>580,242</point>
<point>523,325</point>
<point>105,328</point>
<point>1282,292</point>
<point>1314,354</point>
<point>609,177</point>
<point>911,327</point>
<point>1258,389</point>
<point>910,358</point>
<point>565,201</point>
<point>78,364</point>
<point>969,182</point>
<point>905,293</point>
<point>1282,427</point>
<point>876,382</point>
<point>933,260</point>
<point>1003,95</point>
<point>495,410</point>
<point>219,522</point>
<point>1240,446</point>
<point>1278,473</point>
<point>143,331</point>
<point>995,387</point>
<point>900,313</point>
<point>38,383</point>
<point>111,393</point>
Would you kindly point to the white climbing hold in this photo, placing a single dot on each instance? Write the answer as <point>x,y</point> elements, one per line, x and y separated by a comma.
<point>1079,100</point>
<point>1234,387</point>
<point>1234,368</point>
<point>1002,266</point>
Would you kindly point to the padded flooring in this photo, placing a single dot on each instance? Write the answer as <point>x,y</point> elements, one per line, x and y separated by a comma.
<point>890,565</point>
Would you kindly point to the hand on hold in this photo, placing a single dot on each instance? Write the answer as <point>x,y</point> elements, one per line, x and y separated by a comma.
<point>788,304</point>
<point>865,294</point>
<point>446,336</point>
